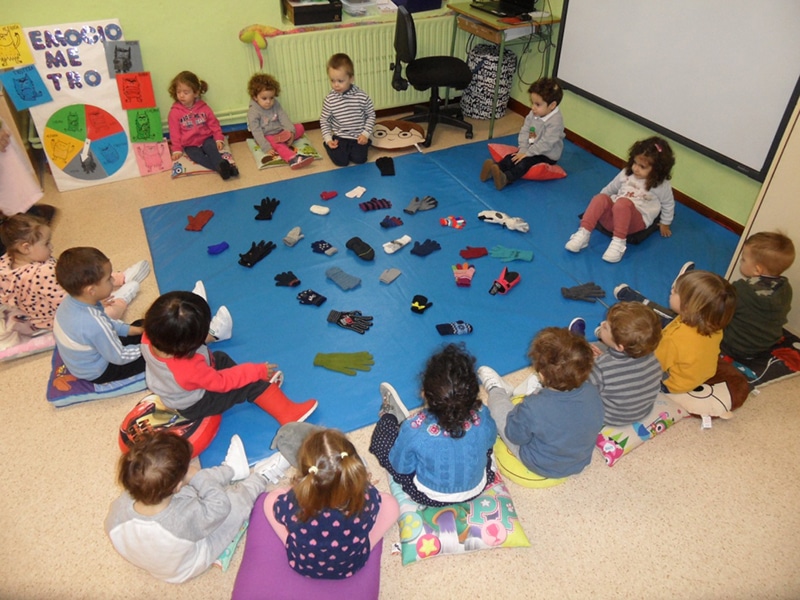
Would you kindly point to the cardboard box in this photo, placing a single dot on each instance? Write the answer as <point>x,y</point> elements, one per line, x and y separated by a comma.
<point>308,13</point>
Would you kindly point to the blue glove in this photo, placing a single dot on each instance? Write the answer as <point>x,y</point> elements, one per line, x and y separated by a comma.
<point>509,254</point>
<point>425,247</point>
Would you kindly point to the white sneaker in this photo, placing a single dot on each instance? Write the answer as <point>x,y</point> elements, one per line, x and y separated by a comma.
<point>391,403</point>
<point>687,266</point>
<point>277,378</point>
<point>530,386</point>
<point>491,379</point>
<point>578,240</point>
<point>236,459</point>
<point>137,272</point>
<point>221,325</point>
<point>127,292</point>
<point>272,468</point>
<point>200,290</point>
<point>615,251</point>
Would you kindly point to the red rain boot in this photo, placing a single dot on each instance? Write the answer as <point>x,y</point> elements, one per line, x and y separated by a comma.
<point>274,402</point>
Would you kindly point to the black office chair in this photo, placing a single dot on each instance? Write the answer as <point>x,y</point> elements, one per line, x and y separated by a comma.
<point>431,72</point>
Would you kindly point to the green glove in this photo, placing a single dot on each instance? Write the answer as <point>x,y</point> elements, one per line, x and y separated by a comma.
<point>509,254</point>
<point>344,362</point>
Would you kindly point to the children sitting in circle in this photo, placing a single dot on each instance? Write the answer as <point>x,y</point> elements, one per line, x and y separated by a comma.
<point>540,139</point>
<point>332,516</point>
<point>194,129</point>
<point>174,519</point>
<point>639,194</point>
<point>92,345</point>
<point>198,383</point>
<point>348,115</point>
<point>28,274</point>
<point>442,454</point>
<point>271,127</point>
<point>552,432</point>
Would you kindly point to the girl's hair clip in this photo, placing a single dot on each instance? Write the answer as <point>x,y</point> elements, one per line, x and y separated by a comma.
<point>343,455</point>
<point>313,469</point>
<point>658,147</point>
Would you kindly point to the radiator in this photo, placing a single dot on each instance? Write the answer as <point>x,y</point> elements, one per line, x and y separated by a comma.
<point>298,62</point>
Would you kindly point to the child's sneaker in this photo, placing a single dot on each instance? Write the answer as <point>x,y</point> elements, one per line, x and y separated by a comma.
<point>491,379</point>
<point>625,293</point>
<point>234,171</point>
<point>200,290</point>
<point>277,378</point>
<point>578,327</point>
<point>137,272</point>
<point>500,179</point>
<point>272,468</point>
<point>578,240</point>
<point>126,293</point>
<point>528,387</point>
<point>486,169</point>
<point>615,251</point>
<point>299,161</point>
<point>221,325</point>
<point>391,403</point>
<point>236,459</point>
<point>687,266</point>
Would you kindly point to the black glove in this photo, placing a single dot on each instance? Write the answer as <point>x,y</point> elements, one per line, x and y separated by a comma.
<point>266,208</point>
<point>256,253</point>
<point>425,247</point>
<point>286,279</point>
<point>311,297</point>
<point>419,304</point>
<point>352,320</point>
<point>386,165</point>
<point>588,292</point>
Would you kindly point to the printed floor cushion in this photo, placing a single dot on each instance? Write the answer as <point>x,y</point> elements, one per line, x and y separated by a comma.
<point>265,571</point>
<point>486,522</point>
<point>540,172</point>
<point>64,389</point>
<point>186,166</point>
<point>301,145</point>
<point>779,362</point>
<point>25,346</point>
<point>614,442</point>
<point>150,415</point>
<point>16,339</point>
<point>397,135</point>
<point>512,467</point>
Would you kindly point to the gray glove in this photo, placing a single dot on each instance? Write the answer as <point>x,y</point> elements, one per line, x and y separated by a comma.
<point>588,292</point>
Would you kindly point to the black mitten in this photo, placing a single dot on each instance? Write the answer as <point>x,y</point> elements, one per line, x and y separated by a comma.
<point>386,165</point>
<point>256,253</point>
<point>420,303</point>
<point>266,209</point>
<point>588,292</point>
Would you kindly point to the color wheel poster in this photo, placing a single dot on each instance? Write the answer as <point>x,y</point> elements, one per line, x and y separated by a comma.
<point>84,130</point>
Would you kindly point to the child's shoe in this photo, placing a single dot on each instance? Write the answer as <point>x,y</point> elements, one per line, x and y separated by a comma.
<point>528,387</point>
<point>126,293</point>
<point>391,403</point>
<point>272,468</point>
<point>578,327</point>
<point>224,169</point>
<point>234,171</point>
<point>275,403</point>
<point>500,179</point>
<point>221,325</point>
<point>200,290</point>
<point>578,240</point>
<point>137,272</point>
<point>486,169</point>
<point>687,266</point>
<point>299,161</point>
<point>615,251</point>
<point>236,459</point>
<point>491,379</point>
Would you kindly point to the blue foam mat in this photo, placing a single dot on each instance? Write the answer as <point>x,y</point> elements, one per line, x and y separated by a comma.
<point>271,325</point>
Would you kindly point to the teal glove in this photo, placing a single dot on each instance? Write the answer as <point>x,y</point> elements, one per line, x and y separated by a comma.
<point>344,362</point>
<point>509,254</point>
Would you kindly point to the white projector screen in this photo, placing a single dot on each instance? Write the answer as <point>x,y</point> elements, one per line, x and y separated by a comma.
<point>720,76</point>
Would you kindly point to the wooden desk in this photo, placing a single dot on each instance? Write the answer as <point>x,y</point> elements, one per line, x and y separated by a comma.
<point>488,27</point>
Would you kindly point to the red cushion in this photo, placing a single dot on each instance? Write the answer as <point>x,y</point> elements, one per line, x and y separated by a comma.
<point>540,172</point>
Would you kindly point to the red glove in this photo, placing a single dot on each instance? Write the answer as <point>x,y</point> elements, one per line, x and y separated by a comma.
<point>197,222</point>
<point>471,252</point>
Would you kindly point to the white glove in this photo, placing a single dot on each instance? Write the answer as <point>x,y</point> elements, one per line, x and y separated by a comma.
<point>499,218</point>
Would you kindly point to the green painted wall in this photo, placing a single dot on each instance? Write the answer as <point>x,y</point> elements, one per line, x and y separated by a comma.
<point>203,37</point>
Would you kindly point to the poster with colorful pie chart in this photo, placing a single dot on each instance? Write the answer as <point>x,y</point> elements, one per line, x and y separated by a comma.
<point>85,142</point>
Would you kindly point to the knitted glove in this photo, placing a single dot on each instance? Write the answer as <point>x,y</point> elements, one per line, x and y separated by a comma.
<point>391,222</point>
<point>425,247</point>
<point>471,252</point>
<point>266,209</point>
<point>352,320</point>
<point>463,274</point>
<point>504,283</point>
<point>286,279</point>
<point>198,221</point>
<point>454,222</point>
<point>375,204</point>
<point>323,247</point>
<point>344,362</point>
<point>342,279</point>
<point>256,253</point>
<point>509,254</point>
<point>419,304</point>
<point>311,297</point>
<point>588,292</point>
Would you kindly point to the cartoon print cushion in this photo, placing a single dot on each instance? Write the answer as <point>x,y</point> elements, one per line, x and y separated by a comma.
<point>302,146</point>
<point>397,135</point>
<point>64,389</point>
<point>614,442</point>
<point>186,166</point>
<point>540,172</point>
<point>489,521</point>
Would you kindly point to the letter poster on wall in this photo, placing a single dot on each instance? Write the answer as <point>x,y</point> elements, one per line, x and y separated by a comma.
<point>84,129</point>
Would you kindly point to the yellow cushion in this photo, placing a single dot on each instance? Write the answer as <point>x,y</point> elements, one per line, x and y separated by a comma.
<point>512,468</point>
